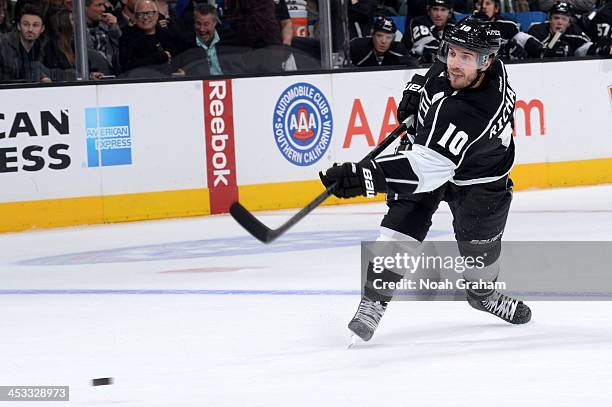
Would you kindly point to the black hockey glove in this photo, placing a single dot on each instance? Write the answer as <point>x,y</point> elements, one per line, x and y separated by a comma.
<point>515,51</point>
<point>430,50</point>
<point>406,140</point>
<point>602,48</point>
<point>410,99</point>
<point>355,179</point>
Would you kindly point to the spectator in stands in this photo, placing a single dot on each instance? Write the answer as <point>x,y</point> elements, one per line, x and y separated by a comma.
<point>305,48</point>
<point>559,36</point>
<point>5,16</point>
<point>146,44</point>
<point>165,13</point>
<point>425,32</point>
<point>252,27</point>
<point>380,49</point>
<point>284,19</point>
<point>104,32</point>
<point>21,50</point>
<point>252,23</point>
<point>168,20</point>
<point>206,35</point>
<point>124,11</point>
<point>59,55</point>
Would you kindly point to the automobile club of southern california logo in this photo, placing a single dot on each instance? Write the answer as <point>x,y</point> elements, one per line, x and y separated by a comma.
<point>302,124</point>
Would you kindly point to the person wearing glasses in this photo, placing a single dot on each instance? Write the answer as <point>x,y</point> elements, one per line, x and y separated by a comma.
<point>147,44</point>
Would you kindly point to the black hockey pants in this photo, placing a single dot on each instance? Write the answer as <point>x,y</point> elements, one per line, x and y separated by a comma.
<point>479,214</point>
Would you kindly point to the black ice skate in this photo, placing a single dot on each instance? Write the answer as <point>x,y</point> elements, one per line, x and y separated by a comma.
<point>367,317</point>
<point>502,306</point>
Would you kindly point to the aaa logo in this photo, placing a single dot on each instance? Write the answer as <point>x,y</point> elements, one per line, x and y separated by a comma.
<point>303,124</point>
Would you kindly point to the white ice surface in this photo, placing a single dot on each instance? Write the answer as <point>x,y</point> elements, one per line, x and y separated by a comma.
<point>173,342</point>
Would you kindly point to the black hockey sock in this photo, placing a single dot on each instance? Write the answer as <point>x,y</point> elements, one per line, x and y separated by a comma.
<point>376,283</point>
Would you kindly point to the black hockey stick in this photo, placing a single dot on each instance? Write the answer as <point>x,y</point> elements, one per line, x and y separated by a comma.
<point>267,235</point>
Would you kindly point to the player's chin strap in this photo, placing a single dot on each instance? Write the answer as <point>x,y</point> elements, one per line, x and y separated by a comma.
<point>476,79</point>
<point>481,73</point>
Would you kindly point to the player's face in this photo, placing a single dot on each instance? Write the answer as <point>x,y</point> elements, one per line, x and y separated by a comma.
<point>559,23</point>
<point>439,15</point>
<point>382,41</point>
<point>462,66</point>
<point>489,7</point>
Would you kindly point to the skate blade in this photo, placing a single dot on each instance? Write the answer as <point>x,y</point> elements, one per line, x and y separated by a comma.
<point>354,339</point>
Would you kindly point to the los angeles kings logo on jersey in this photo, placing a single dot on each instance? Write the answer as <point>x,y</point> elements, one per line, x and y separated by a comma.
<point>303,124</point>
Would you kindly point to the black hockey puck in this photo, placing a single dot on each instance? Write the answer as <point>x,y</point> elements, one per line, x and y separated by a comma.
<point>102,381</point>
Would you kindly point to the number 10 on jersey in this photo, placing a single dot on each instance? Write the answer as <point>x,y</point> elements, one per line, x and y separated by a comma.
<point>458,139</point>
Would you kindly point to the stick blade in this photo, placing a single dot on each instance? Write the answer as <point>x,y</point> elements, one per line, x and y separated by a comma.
<point>252,225</point>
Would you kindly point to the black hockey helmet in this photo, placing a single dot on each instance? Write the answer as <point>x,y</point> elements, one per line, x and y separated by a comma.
<point>449,4</point>
<point>385,25</point>
<point>561,7</point>
<point>472,34</point>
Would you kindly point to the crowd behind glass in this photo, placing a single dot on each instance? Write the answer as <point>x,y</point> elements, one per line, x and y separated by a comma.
<point>162,38</point>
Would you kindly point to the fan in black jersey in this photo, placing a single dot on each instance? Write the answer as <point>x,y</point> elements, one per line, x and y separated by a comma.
<point>424,33</point>
<point>461,152</point>
<point>571,42</point>
<point>380,49</point>
<point>598,26</point>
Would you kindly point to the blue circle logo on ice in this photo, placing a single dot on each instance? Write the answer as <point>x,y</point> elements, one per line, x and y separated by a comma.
<point>211,248</point>
<point>303,124</point>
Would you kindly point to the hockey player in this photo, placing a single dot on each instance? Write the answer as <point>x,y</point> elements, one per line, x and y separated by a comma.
<point>380,49</point>
<point>572,40</point>
<point>515,44</point>
<point>424,33</point>
<point>598,27</point>
<point>462,152</point>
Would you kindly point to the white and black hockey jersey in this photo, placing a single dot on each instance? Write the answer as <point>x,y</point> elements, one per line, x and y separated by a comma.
<point>423,36</point>
<point>576,41</point>
<point>599,24</point>
<point>363,54</point>
<point>462,136</point>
